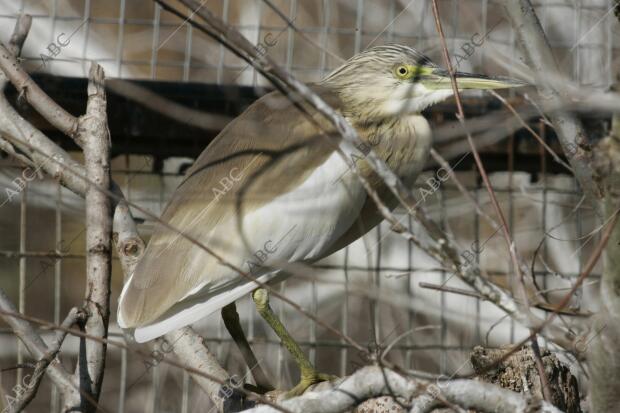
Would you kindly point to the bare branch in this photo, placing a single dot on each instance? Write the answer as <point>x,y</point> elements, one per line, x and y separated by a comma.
<point>43,363</point>
<point>93,133</point>
<point>192,350</point>
<point>371,382</point>
<point>45,105</point>
<point>129,245</point>
<point>37,347</point>
<point>484,397</point>
<point>25,137</point>
<point>20,32</point>
<point>9,120</point>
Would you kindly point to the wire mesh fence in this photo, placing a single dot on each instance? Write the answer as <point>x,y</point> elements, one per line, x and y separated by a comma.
<point>134,39</point>
<point>382,291</point>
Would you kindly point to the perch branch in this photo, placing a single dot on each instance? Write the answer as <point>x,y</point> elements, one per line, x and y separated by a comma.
<point>372,382</point>
<point>483,397</point>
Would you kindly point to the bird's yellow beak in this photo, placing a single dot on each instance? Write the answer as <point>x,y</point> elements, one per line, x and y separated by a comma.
<point>440,79</point>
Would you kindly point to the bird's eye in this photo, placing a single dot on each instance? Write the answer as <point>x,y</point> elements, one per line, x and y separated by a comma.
<point>402,72</point>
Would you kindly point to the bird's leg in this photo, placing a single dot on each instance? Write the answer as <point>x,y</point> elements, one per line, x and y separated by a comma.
<point>309,375</point>
<point>233,325</point>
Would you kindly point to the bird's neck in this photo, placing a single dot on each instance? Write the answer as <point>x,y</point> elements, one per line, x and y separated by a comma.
<point>402,142</point>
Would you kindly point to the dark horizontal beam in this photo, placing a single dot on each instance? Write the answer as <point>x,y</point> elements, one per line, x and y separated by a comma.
<point>138,130</point>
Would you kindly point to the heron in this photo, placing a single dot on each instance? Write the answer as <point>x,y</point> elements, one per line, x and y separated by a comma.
<point>277,186</point>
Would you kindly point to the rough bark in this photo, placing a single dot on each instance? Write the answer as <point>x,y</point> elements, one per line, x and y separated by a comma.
<point>520,374</point>
<point>93,132</point>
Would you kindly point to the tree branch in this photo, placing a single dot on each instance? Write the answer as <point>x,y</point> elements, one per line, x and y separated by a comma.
<point>43,363</point>
<point>93,133</point>
<point>483,397</point>
<point>371,382</point>
<point>129,245</point>
<point>45,105</point>
<point>189,347</point>
<point>37,348</point>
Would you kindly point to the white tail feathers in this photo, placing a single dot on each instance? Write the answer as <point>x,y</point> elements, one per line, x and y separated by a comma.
<point>191,310</point>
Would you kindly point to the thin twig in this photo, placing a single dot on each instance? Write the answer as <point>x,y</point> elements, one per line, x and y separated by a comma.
<point>461,116</point>
<point>546,390</point>
<point>511,108</point>
<point>445,288</point>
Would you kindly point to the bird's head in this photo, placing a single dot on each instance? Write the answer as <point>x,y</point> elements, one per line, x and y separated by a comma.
<point>396,80</point>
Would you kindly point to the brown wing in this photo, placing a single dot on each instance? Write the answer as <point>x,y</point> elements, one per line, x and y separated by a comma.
<point>261,154</point>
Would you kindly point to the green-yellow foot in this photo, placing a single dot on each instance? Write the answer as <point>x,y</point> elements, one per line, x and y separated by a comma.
<point>309,375</point>
<point>306,382</point>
